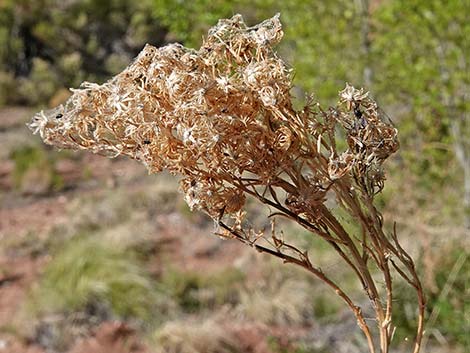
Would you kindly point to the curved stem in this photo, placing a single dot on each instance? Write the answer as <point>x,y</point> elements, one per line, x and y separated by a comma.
<point>306,264</point>
<point>407,261</point>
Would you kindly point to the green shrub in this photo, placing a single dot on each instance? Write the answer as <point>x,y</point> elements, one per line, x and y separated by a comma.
<point>452,309</point>
<point>447,307</point>
<point>324,307</point>
<point>46,45</point>
<point>24,159</point>
<point>40,85</point>
<point>7,84</point>
<point>194,291</point>
<point>34,170</point>
<point>87,272</point>
<point>70,66</point>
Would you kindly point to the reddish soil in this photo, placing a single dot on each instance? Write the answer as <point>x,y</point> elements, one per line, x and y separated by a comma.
<point>192,248</point>
<point>38,215</point>
<point>11,117</point>
<point>110,337</point>
<point>15,280</point>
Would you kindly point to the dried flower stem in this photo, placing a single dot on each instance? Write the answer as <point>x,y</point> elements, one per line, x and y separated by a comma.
<point>222,118</point>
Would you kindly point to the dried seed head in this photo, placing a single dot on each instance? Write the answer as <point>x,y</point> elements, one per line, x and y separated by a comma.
<point>219,114</point>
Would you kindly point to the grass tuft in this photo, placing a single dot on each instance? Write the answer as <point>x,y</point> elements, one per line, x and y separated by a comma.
<point>87,272</point>
<point>194,291</point>
<point>35,170</point>
<point>188,336</point>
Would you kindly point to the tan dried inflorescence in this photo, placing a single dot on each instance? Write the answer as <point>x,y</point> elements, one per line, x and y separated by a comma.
<point>216,114</point>
<point>222,118</point>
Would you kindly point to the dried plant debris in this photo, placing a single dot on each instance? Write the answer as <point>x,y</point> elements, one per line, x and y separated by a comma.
<point>222,118</point>
<point>220,114</point>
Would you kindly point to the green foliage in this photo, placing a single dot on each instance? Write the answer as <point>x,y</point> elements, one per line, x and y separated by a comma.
<point>188,21</point>
<point>33,162</point>
<point>7,84</point>
<point>194,291</point>
<point>182,287</point>
<point>87,272</point>
<point>447,307</point>
<point>422,69</point>
<point>24,159</point>
<point>324,43</point>
<point>421,51</point>
<point>41,84</point>
<point>324,308</point>
<point>51,44</point>
<point>322,39</point>
<point>453,309</point>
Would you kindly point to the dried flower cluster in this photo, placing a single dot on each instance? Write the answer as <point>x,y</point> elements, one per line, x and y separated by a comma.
<point>222,118</point>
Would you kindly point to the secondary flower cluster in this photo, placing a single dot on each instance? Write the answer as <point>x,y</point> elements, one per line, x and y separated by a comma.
<point>222,118</point>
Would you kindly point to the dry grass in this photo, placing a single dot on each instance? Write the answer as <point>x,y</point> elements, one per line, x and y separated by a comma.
<point>194,336</point>
<point>275,302</point>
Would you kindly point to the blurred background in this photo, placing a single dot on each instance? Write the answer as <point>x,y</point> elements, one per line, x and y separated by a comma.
<point>98,256</point>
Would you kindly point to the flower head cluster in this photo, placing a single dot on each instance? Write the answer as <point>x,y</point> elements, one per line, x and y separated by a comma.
<point>222,118</point>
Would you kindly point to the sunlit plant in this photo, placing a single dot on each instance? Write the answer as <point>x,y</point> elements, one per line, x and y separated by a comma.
<point>222,118</point>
